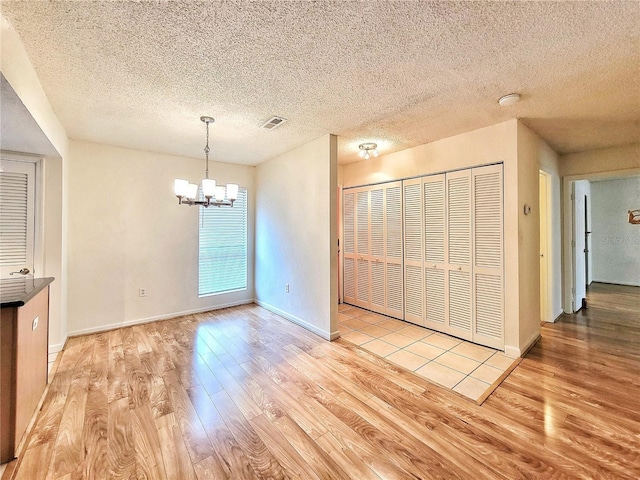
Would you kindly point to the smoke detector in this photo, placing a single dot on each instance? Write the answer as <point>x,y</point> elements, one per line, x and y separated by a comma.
<point>509,100</point>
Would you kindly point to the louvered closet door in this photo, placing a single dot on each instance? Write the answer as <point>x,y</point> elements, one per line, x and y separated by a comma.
<point>458,267</point>
<point>377,245</point>
<point>17,216</point>
<point>413,280</point>
<point>488,296</point>
<point>348,247</point>
<point>363,273</point>
<point>435,249</point>
<point>393,242</point>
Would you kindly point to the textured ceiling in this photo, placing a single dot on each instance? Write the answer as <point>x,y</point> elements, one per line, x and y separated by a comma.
<point>139,74</point>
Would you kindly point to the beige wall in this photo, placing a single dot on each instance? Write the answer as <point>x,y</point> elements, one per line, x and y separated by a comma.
<point>19,72</point>
<point>530,151</point>
<point>127,231</point>
<point>296,235</point>
<point>606,160</point>
<point>550,164</point>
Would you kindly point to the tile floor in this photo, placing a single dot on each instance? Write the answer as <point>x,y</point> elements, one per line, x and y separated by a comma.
<point>469,369</point>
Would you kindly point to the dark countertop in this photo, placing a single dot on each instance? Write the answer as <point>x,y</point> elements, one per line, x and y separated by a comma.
<point>16,292</point>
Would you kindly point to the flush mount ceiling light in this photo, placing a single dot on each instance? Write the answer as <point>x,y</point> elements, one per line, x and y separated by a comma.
<point>509,100</point>
<point>368,149</point>
<point>213,195</point>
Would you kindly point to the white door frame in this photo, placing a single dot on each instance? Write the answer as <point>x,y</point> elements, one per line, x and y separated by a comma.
<point>568,271</point>
<point>545,203</point>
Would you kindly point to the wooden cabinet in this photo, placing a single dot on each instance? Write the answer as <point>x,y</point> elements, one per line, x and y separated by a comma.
<point>23,367</point>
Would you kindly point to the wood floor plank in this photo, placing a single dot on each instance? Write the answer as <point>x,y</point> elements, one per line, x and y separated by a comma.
<point>121,452</point>
<point>175,456</point>
<point>263,462</point>
<point>68,451</point>
<point>149,459</point>
<point>309,450</point>
<point>198,444</point>
<point>241,393</point>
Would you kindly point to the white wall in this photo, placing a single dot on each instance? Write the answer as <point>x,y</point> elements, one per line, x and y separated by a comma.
<point>20,74</point>
<point>127,231</point>
<point>615,242</point>
<point>549,163</point>
<point>296,236</point>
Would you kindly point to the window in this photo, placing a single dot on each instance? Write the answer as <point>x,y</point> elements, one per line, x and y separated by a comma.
<point>223,248</point>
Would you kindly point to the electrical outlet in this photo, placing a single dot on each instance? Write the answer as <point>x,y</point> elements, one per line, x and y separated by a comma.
<point>142,292</point>
<point>34,325</point>
<point>286,288</point>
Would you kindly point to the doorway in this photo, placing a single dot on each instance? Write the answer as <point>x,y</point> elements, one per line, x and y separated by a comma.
<point>584,259</point>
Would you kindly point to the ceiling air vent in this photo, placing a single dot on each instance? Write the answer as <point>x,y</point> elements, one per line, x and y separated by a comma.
<point>273,123</point>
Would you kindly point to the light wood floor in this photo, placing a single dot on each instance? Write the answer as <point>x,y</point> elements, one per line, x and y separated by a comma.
<point>241,393</point>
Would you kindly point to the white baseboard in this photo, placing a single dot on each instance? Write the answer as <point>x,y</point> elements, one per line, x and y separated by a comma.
<point>56,347</point>
<point>128,323</point>
<point>299,321</point>
<point>516,352</point>
<point>626,284</point>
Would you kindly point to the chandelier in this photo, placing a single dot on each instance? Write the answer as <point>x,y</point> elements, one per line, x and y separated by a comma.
<point>214,195</point>
<point>368,149</point>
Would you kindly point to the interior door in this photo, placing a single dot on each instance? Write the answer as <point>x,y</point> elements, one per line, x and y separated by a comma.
<point>17,216</point>
<point>544,249</point>
<point>579,246</point>
<point>377,243</point>
<point>348,246</point>
<point>413,281</point>
<point>458,266</point>
<point>435,251</point>
<point>488,256</point>
<point>393,260</point>
<point>363,284</point>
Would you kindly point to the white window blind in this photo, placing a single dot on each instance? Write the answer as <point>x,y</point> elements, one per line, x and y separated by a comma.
<point>223,247</point>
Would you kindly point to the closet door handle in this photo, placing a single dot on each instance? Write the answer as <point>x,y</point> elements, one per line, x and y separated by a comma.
<point>434,265</point>
<point>459,268</point>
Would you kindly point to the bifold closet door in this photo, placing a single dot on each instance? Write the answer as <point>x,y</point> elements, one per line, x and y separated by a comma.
<point>348,246</point>
<point>435,251</point>
<point>459,255</point>
<point>413,278</point>
<point>488,265</point>
<point>377,245</point>
<point>394,286</point>
<point>363,292</point>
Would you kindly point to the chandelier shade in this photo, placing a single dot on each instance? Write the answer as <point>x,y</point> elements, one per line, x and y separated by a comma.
<point>212,194</point>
